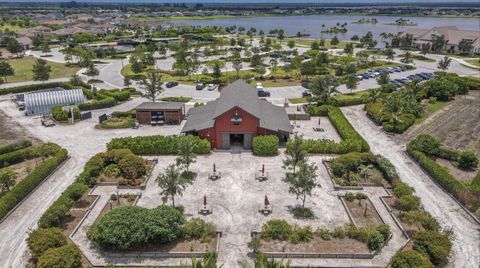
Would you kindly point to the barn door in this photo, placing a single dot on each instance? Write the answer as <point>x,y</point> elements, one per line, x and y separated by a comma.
<point>247,140</point>
<point>225,141</point>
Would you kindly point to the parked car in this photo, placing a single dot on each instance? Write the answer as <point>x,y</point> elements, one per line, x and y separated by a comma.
<point>306,85</point>
<point>211,87</point>
<point>259,86</point>
<point>359,77</point>
<point>200,86</point>
<point>263,93</point>
<point>306,93</point>
<point>171,84</point>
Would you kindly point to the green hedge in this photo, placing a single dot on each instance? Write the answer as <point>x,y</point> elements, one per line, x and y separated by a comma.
<point>376,112</point>
<point>158,145</point>
<point>25,186</point>
<point>62,205</point>
<point>26,153</point>
<point>117,123</point>
<point>176,99</point>
<point>351,140</point>
<point>468,196</point>
<point>265,145</point>
<point>132,114</point>
<point>34,87</point>
<point>15,146</point>
<point>405,122</point>
<point>98,104</point>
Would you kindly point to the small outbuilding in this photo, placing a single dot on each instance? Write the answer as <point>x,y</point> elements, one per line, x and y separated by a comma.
<point>160,113</point>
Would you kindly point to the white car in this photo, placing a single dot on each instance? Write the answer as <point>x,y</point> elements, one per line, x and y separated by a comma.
<point>211,87</point>
<point>259,86</point>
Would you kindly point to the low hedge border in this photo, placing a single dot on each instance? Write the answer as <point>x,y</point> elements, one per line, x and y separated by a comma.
<point>158,145</point>
<point>35,87</point>
<point>351,140</point>
<point>22,144</point>
<point>451,185</point>
<point>18,156</point>
<point>11,199</point>
<point>98,104</point>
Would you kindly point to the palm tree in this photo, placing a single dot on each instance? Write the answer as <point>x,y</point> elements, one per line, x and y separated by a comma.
<point>172,182</point>
<point>152,84</point>
<point>274,63</point>
<point>364,171</point>
<point>444,63</point>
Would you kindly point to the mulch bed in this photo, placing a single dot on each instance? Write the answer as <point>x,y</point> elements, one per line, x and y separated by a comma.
<point>357,209</point>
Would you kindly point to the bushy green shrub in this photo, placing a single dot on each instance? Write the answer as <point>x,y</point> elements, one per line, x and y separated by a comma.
<point>386,168</point>
<point>410,259</point>
<point>276,230</point>
<point>301,234</point>
<point>441,88</point>
<point>433,244</point>
<point>129,226</point>
<point>384,230</point>
<point>41,240</point>
<point>324,234</point>
<point>68,256</point>
<point>198,229</point>
<point>404,122</point>
<point>132,166</point>
<point>409,202</point>
<point>158,145</point>
<point>62,205</point>
<point>265,145</point>
<point>176,99</point>
<point>21,144</point>
<point>402,189</point>
<point>314,110</point>
<point>421,219</point>
<point>349,162</point>
<point>131,113</point>
<point>374,240</point>
<point>32,180</point>
<point>61,115</point>
<point>467,160</point>
<point>375,111</point>
<point>426,144</point>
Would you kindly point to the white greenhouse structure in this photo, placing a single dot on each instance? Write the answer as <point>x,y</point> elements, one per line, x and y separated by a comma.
<point>41,103</point>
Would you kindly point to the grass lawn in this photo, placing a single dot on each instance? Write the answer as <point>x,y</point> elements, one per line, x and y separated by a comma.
<point>23,70</point>
<point>308,42</point>
<point>14,28</point>
<point>475,62</point>
<point>420,57</point>
<point>429,109</point>
<point>297,100</point>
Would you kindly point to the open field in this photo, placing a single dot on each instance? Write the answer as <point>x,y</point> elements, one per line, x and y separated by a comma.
<point>456,125</point>
<point>23,70</point>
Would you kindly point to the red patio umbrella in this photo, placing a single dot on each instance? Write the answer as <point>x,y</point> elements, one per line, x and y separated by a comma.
<point>266,201</point>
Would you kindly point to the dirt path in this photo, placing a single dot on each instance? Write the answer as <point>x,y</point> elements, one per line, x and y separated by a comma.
<point>466,245</point>
<point>457,125</point>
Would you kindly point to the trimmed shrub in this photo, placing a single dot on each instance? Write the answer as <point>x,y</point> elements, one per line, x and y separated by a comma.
<point>32,180</point>
<point>386,167</point>
<point>129,226</point>
<point>62,205</point>
<point>375,111</point>
<point>409,202</point>
<point>198,229</point>
<point>402,189</point>
<point>317,110</point>
<point>349,162</point>
<point>41,240</point>
<point>265,145</point>
<point>59,113</point>
<point>410,259</point>
<point>405,121</point>
<point>276,230</point>
<point>301,234</point>
<point>158,145</point>
<point>33,87</point>
<point>421,218</point>
<point>15,146</point>
<point>68,256</point>
<point>176,99</point>
<point>374,240</point>
<point>98,104</point>
<point>433,244</point>
<point>117,123</point>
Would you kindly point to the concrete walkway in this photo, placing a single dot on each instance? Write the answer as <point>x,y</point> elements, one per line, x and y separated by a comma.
<point>466,245</point>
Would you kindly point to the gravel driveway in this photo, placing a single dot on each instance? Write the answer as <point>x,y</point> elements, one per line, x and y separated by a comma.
<point>466,245</point>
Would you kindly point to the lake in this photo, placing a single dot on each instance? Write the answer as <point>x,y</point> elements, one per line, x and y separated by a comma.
<point>313,24</point>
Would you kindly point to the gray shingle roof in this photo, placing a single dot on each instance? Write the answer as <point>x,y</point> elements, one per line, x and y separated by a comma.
<point>151,106</point>
<point>238,94</point>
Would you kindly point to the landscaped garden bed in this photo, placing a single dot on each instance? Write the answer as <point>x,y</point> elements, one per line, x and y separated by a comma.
<point>357,170</point>
<point>362,210</point>
<point>278,238</point>
<point>116,123</point>
<point>23,169</point>
<point>426,149</point>
<point>70,221</point>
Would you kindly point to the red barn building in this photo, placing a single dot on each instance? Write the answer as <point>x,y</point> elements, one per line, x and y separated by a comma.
<point>236,117</point>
